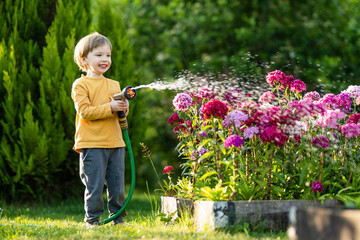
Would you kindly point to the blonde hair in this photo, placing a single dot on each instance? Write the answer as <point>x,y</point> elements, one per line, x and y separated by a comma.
<point>86,45</point>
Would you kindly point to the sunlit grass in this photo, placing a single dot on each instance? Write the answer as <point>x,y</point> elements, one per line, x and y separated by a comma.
<point>65,221</point>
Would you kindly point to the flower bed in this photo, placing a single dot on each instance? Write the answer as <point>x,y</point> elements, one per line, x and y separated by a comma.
<point>285,146</point>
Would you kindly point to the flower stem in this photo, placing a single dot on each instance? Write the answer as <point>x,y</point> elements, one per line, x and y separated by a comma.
<point>269,179</point>
<point>321,164</point>
<point>217,153</point>
<point>247,166</point>
<point>344,156</point>
<point>349,179</point>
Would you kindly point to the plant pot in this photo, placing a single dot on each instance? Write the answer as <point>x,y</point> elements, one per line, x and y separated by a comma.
<point>272,214</point>
<point>324,223</point>
<point>175,207</point>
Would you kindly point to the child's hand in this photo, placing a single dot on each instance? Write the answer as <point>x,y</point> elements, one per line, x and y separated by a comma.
<point>119,105</point>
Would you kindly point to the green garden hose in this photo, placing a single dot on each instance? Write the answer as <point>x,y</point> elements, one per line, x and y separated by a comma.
<point>128,93</point>
<point>132,186</point>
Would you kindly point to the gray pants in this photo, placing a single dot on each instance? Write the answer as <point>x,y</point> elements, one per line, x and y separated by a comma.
<point>99,167</point>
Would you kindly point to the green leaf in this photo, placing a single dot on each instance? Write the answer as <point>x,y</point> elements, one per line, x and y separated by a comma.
<point>205,156</point>
<point>208,174</point>
<point>279,177</point>
<point>302,176</point>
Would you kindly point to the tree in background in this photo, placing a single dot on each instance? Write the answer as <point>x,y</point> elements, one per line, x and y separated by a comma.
<point>37,111</point>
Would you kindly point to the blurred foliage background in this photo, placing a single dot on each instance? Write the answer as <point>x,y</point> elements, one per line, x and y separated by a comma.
<point>316,41</point>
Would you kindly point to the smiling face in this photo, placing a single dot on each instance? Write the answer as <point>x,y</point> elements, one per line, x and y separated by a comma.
<point>98,61</point>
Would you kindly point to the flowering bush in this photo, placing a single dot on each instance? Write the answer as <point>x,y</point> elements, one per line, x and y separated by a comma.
<point>283,147</point>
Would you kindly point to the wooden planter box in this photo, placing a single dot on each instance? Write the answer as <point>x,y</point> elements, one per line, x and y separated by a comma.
<point>272,214</point>
<point>324,224</point>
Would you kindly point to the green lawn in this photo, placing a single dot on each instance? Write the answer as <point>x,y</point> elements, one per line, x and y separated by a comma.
<point>65,221</point>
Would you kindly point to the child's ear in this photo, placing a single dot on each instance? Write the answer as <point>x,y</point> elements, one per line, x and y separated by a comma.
<point>83,60</point>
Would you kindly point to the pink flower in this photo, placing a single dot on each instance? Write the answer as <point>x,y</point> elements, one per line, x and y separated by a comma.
<point>312,95</point>
<point>274,115</point>
<point>317,186</point>
<point>358,101</point>
<point>320,141</point>
<point>234,96</point>
<point>307,107</point>
<point>214,108</point>
<point>353,91</point>
<point>276,77</point>
<point>234,141</point>
<point>206,93</point>
<point>267,97</point>
<point>168,169</point>
<point>182,101</point>
<point>250,131</point>
<point>329,118</point>
<point>297,86</point>
<point>236,117</point>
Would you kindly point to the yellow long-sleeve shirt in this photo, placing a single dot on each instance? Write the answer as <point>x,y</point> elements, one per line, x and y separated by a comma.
<point>96,125</point>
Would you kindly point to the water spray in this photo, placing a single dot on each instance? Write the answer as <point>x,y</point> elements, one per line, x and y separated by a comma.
<point>128,93</point>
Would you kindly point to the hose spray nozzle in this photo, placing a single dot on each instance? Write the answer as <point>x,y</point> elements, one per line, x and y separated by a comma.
<point>128,93</point>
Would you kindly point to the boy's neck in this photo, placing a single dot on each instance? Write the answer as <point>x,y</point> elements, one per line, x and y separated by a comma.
<point>93,75</point>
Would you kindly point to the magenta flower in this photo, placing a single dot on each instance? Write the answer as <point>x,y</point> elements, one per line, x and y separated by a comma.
<point>355,118</point>
<point>285,83</point>
<point>317,186</point>
<point>320,141</point>
<point>312,95</point>
<point>174,119</point>
<point>330,100</point>
<point>234,96</point>
<point>350,130</point>
<point>206,93</point>
<point>236,117</point>
<point>273,134</point>
<point>234,141</point>
<point>197,153</point>
<point>196,98</point>
<point>168,169</point>
<point>203,134</point>
<point>182,101</point>
<point>267,97</point>
<point>344,102</point>
<point>297,86</point>
<point>276,77</point>
<point>214,108</point>
<point>250,131</point>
